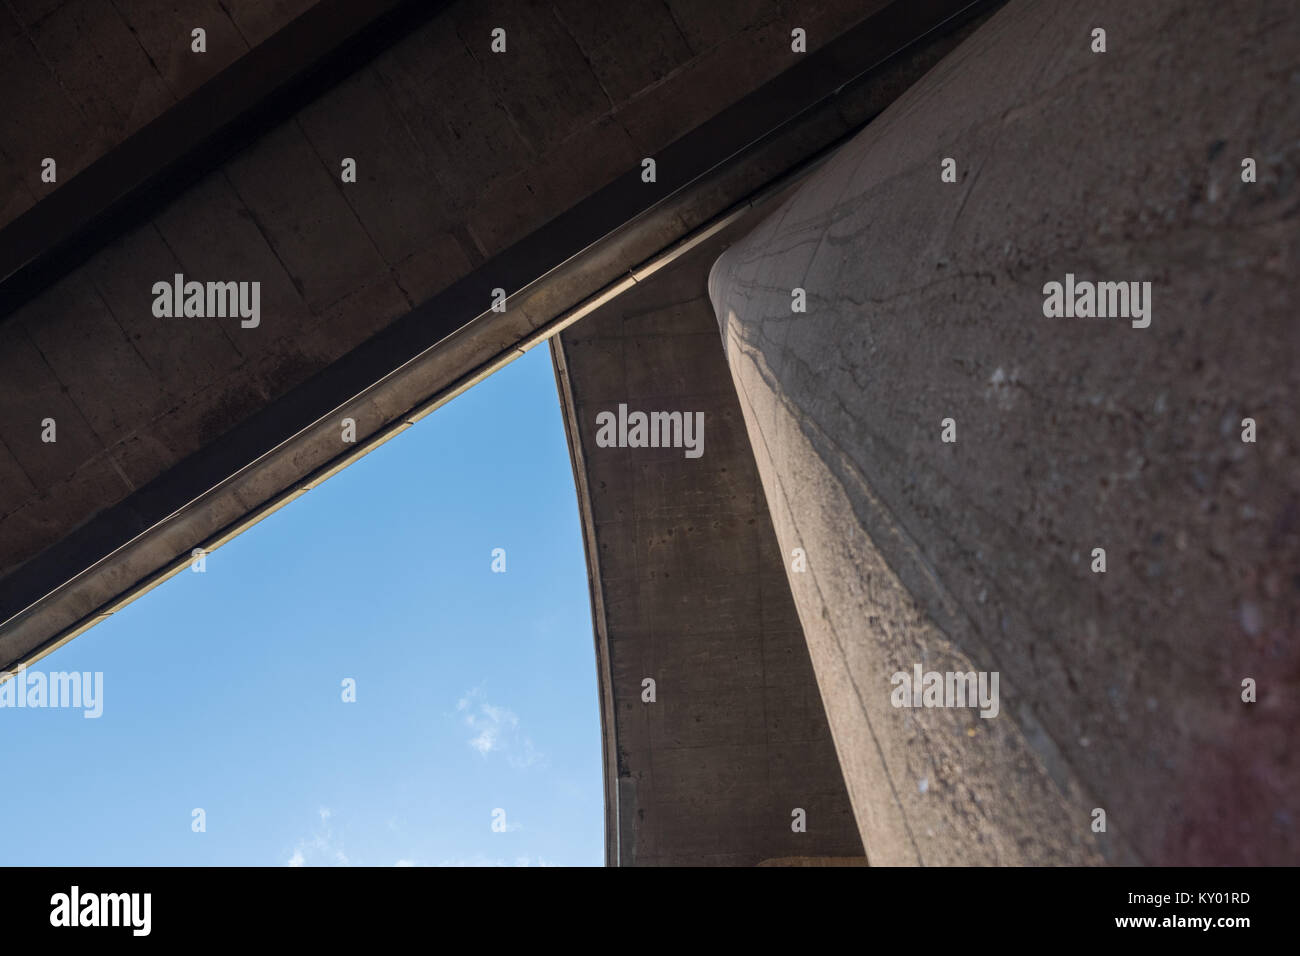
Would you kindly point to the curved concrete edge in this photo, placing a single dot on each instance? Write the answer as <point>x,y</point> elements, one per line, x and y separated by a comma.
<point>1119,691</point>
<point>600,629</point>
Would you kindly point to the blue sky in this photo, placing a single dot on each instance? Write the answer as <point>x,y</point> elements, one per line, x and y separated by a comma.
<point>476,691</point>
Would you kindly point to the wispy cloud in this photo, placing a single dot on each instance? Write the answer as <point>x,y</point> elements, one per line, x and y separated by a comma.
<point>496,730</point>
<point>320,849</point>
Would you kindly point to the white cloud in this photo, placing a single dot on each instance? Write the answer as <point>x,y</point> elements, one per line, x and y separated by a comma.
<point>321,848</point>
<point>496,730</point>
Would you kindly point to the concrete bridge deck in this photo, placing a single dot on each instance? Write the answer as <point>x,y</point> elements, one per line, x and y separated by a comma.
<point>522,172</point>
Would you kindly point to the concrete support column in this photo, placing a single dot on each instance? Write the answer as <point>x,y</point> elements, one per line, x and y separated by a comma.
<point>985,478</point>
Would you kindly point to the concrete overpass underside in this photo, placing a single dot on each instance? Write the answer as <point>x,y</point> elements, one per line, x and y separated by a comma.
<point>517,179</point>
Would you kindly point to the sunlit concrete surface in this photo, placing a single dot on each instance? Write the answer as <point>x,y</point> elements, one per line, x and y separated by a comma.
<point>1121,691</point>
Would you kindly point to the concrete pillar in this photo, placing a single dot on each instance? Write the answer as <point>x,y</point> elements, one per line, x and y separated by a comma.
<point>1120,691</point>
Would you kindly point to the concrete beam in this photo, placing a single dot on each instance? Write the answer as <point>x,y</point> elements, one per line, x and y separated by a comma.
<point>688,591</point>
<point>134,180</point>
<point>450,340</point>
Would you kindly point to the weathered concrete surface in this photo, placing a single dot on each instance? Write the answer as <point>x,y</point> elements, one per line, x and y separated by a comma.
<point>817,861</point>
<point>81,75</point>
<point>925,301</point>
<point>460,152</point>
<point>180,433</point>
<point>688,590</point>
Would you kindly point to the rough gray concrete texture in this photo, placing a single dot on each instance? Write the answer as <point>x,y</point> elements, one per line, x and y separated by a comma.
<point>683,557</point>
<point>1119,690</point>
<point>460,153</point>
<point>156,551</point>
<point>80,76</point>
